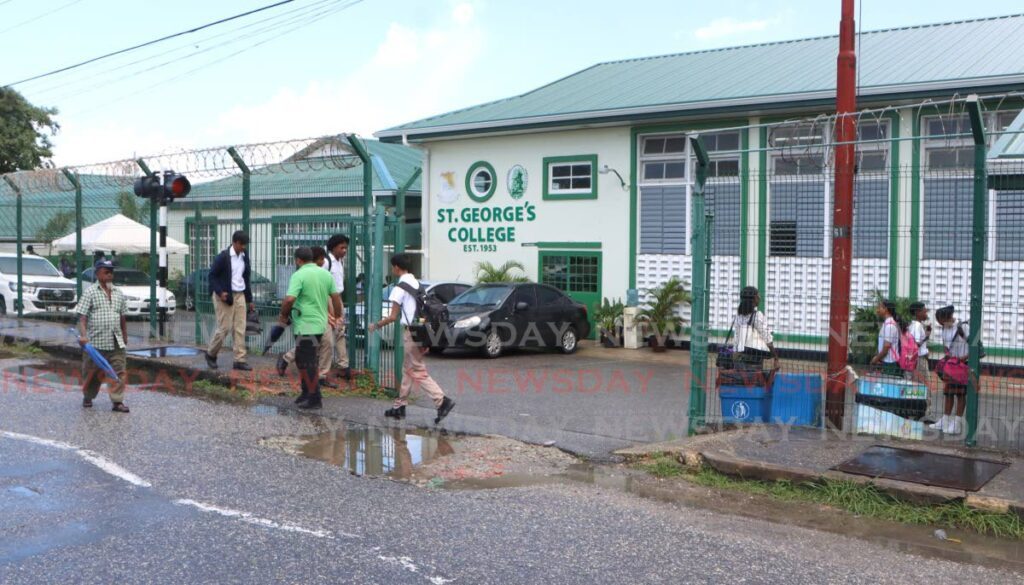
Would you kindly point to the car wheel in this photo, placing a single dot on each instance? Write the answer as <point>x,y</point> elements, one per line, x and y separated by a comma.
<point>3,306</point>
<point>569,342</point>
<point>492,345</point>
<point>190,304</point>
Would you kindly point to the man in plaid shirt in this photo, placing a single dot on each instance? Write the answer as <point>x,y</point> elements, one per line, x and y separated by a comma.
<point>102,322</point>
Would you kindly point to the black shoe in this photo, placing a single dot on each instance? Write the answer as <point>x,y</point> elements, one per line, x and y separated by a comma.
<point>120,407</point>
<point>398,412</point>
<point>282,366</point>
<point>327,383</point>
<point>345,374</point>
<point>242,366</point>
<point>312,404</point>
<point>86,403</point>
<point>442,411</point>
<point>302,398</point>
<point>211,360</point>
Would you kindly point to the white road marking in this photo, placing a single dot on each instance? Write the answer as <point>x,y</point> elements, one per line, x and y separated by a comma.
<point>111,468</point>
<point>250,519</point>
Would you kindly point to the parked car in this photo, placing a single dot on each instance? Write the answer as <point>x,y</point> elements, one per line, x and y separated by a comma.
<point>443,291</point>
<point>497,317</point>
<point>263,291</point>
<point>44,288</point>
<point>135,286</point>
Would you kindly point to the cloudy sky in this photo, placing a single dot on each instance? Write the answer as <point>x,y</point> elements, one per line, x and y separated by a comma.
<point>315,67</point>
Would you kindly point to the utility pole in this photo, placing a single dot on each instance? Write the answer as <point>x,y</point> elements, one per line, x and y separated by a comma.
<point>842,218</point>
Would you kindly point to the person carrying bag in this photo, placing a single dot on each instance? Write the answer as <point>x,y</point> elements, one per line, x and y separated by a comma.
<point>754,342</point>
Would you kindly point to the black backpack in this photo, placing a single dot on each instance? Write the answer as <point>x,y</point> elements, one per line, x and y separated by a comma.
<point>961,335</point>
<point>428,307</point>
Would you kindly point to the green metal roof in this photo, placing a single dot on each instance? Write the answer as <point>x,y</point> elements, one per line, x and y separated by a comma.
<point>393,165</point>
<point>953,57</point>
<point>99,202</point>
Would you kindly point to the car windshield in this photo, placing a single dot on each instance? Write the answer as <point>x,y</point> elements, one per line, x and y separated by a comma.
<point>483,296</point>
<point>130,277</point>
<point>29,267</point>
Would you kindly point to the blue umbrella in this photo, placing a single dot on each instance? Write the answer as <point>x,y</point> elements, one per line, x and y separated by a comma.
<point>100,361</point>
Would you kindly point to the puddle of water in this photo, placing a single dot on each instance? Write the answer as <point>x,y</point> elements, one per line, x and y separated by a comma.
<point>170,351</point>
<point>368,451</point>
<point>50,374</point>
<point>24,491</point>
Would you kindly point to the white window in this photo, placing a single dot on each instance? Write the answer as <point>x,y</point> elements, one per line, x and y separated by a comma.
<point>481,181</point>
<point>570,177</point>
<point>664,159</point>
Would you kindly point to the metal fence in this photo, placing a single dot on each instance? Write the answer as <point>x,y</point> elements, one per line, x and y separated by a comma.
<point>283,194</point>
<point>761,215</point>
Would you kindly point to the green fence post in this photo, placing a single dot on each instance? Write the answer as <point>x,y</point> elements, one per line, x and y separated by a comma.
<point>78,229</point>
<point>364,156</point>
<point>153,327</point>
<point>19,303</point>
<point>246,181</point>
<point>699,313</point>
<point>980,222</point>
<point>373,292</point>
<point>399,248</point>
<point>196,314</point>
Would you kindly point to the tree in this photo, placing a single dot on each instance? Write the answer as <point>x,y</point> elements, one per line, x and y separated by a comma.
<point>128,205</point>
<point>488,273</point>
<point>25,132</point>
<point>58,226</point>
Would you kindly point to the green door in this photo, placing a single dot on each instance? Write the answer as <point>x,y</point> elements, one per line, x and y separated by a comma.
<point>578,274</point>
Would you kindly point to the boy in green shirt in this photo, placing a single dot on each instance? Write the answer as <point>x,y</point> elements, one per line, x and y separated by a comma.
<point>309,289</point>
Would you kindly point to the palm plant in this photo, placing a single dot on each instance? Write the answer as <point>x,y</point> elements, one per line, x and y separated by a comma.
<point>660,313</point>
<point>488,273</point>
<point>608,317</point>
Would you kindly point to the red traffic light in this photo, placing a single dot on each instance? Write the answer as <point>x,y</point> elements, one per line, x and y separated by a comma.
<point>179,187</point>
<point>148,186</point>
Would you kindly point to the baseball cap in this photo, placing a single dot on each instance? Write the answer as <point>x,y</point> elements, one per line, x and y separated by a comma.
<point>104,264</point>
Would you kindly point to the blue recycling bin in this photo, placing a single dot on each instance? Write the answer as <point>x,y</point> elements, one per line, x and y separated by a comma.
<point>744,404</point>
<point>796,400</point>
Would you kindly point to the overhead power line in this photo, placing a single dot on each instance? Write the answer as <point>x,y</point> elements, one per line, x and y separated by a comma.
<point>41,16</point>
<point>150,43</point>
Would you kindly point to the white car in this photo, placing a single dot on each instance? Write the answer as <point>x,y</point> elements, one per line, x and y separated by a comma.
<point>43,286</point>
<point>135,286</point>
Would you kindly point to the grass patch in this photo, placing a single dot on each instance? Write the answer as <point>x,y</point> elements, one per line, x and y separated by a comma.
<point>20,350</point>
<point>662,465</point>
<point>364,385</point>
<point>218,391</point>
<point>867,500</point>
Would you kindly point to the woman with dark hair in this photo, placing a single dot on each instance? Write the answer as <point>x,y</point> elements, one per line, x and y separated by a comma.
<point>954,339</point>
<point>754,340</point>
<point>889,338</point>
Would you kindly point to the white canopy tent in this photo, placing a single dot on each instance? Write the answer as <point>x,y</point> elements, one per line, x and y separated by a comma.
<point>115,234</point>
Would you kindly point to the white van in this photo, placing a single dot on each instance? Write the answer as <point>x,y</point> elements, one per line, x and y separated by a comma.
<point>43,286</point>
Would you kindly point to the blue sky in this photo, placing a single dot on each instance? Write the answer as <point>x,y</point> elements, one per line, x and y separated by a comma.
<point>370,66</point>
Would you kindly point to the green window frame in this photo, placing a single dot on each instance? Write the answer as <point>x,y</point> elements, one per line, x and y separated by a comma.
<point>571,164</point>
<point>472,183</point>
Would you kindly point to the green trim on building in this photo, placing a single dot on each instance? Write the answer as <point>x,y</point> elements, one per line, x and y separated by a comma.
<point>286,203</point>
<point>762,216</point>
<point>473,168</point>
<point>894,202</point>
<point>744,202</point>
<point>915,206</point>
<point>568,245</point>
<point>634,200</point>
<point>581,158</point>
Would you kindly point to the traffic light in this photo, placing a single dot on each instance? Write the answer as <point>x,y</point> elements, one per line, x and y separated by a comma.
<point>174,186</point>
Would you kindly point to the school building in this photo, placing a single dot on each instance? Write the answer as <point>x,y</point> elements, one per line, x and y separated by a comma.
<point>587,180</point>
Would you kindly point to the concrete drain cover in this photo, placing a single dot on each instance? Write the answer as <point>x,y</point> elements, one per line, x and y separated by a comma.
<point>934,469</point>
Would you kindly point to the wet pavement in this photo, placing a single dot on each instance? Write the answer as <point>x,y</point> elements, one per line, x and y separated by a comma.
<point>182,490</point>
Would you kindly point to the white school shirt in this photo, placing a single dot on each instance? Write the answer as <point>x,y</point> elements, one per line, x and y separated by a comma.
<point>337,270</point>
<point>237,270</point>
<point>917,329</point>
<point>956,346</point>
<point>890,332</point>
<point>405,300</point>
<point>753,333</point>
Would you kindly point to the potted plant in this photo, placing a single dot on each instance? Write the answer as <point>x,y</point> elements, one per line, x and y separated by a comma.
<point>660,312</point>
<point>608,318</point>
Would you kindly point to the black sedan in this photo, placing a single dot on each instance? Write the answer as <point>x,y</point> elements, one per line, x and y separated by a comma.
<point>495,317</point>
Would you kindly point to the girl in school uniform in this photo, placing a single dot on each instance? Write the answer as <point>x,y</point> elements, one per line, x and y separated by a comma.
<point>954,338</point>
<point>922,332</point>
<point>889,339</point>
<point>754,340</point>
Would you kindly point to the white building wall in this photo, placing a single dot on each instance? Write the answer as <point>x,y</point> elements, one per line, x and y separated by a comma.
<point>604,220</point>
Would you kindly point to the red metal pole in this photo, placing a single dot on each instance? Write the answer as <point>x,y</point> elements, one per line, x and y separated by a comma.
<point>842,218</point>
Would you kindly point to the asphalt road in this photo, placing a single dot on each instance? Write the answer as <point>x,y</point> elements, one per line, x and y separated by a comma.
<point>180,491</point>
